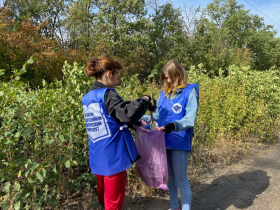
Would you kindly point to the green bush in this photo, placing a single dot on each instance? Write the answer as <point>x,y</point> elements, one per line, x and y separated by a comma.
<point>44,143</point>
<point>240,105</point>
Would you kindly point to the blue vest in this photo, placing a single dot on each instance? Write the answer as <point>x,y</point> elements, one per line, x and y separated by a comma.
<point>111,146</point>
<point>174,109</point>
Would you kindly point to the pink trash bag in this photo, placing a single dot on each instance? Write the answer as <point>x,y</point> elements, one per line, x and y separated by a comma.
<point>152,166</point>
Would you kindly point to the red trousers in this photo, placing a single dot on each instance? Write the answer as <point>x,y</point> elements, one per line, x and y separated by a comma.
<point>111,190</point>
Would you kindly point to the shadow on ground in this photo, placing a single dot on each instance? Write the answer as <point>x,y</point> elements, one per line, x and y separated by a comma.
<point>238,190</point>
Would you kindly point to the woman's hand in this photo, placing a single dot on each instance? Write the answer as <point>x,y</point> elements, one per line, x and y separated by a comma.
<point>168,128</point>
<point>153,102</point>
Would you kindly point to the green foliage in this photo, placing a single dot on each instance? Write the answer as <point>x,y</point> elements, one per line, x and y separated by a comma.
<point>80,24</point>
<point>162,38</point>
<point>223,29</point>
<point>237,106</point>
<point>43,141</point>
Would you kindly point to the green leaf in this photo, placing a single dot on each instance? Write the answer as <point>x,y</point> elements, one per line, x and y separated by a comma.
<point>26,195</point>
<point>1,93</point>
<point>17,205</point>
<point>30,61</point>
<point>75,163</point>
<point>54,169</point>
<point>2,71</point>
<point>6,187</point>
<point>54,134</point>
<point>2,178</point>
<point>16,186</point>
<point>29,130</point>
<point>153,72</point>
<point>39,177</point>
<point>51,141</point>
<point>67,164</point>
<point>6,141</point>
<point>69,135</point>
<point>5,204</point>
<point>61,137</point>
<point>44,172</point>
<point>25,172</point>
<point>17,135</point>
<point>41,196</point>
<point>45,165</point>
<point>30,180</point>
<point>17,196</point>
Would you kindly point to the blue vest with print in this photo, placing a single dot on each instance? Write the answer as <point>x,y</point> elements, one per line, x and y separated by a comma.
<point>111,146</point>
<point>174,109</point>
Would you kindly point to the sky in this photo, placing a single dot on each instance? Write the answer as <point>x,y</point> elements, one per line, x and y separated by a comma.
<point>269,10</point>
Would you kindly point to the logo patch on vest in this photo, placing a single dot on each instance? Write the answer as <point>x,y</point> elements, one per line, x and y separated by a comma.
<point>96,123</point>
<point>177,108</point>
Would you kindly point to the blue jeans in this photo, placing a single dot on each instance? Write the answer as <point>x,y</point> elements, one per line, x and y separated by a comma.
<point>177,161</point>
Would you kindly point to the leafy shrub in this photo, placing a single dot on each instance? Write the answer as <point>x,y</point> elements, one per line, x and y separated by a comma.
<point>236,106</point>
<point>43,139</point>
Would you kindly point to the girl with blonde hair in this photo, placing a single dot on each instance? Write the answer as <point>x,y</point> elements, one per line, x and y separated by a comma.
<point>175,114</point>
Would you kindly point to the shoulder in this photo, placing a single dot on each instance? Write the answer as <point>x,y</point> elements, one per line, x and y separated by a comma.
<point>97,85</point>
<point>193,88</point>
<point>111,94</point>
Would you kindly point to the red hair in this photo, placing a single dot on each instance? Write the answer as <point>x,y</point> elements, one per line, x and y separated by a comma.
<point>97,67</point>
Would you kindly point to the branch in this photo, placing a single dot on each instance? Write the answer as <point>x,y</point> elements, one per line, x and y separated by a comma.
<point>153,4</point>
<point>190,19</point>
<point>4,5</point>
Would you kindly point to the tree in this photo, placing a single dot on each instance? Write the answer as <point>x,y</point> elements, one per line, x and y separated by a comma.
<point>3,4</point>
<point>81,26</point>
<point>105,27</point>
<point>18,42</point>
<point>223,29</point>
<point>190,20</point>
<point>49,12</point>
<point>117,22</point>
<point>168,40</point>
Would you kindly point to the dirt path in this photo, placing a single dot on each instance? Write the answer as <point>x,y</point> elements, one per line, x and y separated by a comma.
<point>253,184</point>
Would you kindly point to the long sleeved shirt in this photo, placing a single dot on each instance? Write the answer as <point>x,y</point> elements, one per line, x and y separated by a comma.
<point>123,111</point>
<point>191,111</point>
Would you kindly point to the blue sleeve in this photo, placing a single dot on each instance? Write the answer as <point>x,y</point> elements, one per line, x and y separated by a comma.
<point>147,118</point>
<point>191,111</point>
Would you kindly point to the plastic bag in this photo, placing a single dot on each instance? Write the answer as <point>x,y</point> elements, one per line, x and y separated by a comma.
<point>152,166</point>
